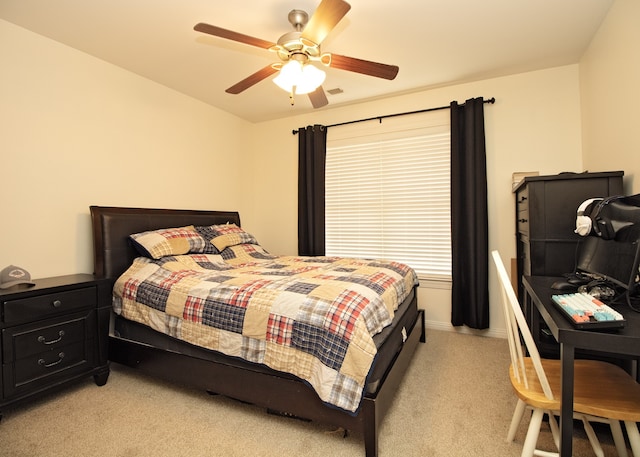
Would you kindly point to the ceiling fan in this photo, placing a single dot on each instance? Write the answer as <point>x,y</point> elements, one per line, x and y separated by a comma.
<point>296,50</point>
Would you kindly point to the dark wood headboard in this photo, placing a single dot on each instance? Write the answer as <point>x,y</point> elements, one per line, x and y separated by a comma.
<point>113,253</point>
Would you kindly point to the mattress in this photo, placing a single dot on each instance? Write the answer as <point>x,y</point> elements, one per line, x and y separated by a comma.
<point>388,342</point>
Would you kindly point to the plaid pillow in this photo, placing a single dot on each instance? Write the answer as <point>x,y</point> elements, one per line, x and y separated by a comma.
<point>208,234</point>
<point>230,235</point>
<point>243,253</point>
<point>171,241</point>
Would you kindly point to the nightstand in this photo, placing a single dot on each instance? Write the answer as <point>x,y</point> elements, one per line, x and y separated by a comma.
<point>53,334</point>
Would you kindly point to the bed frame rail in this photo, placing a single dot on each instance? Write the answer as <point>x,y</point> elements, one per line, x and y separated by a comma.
<point>285,395</point>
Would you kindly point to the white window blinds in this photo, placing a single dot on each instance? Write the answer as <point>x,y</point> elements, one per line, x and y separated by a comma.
<point>388,192</point>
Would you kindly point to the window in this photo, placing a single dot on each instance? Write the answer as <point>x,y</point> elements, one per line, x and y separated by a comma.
<point>388,192</point>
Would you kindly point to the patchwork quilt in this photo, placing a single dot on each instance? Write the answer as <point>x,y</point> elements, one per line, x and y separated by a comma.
<point>313,317</point>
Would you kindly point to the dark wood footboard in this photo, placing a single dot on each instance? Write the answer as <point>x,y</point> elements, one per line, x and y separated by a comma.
<point>375,407</point>
<point>272,390</point>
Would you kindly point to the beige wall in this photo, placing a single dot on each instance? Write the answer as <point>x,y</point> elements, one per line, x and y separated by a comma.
<point>610,88</point>
<point>76,131</point>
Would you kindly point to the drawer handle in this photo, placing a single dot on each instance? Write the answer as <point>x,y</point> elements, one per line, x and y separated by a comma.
<point>523,198</point>
<point>57,303</point>
<point>47,365</point>
<point>522,220</point>
<point>43,340</point>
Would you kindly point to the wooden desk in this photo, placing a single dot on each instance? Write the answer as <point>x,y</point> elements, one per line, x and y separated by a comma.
<point>623,342</point>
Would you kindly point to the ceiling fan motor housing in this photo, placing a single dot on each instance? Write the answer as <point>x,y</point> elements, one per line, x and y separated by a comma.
<point>292,45</point>
<point>298,19</point>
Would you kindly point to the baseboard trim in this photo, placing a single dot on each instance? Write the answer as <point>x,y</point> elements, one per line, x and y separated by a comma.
<point>493,333</point>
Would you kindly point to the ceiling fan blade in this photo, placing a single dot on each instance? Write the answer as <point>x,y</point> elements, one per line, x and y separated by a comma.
<point>318,98</point>
<point>366,67</point>
<point>324,19</point>
<point>251,80</point>
<point>231,35</point>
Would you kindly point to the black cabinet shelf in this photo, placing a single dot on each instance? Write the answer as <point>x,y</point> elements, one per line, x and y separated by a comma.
<point>545,223</point>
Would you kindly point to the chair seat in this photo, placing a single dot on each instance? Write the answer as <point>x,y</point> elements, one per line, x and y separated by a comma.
<point>600,389</point>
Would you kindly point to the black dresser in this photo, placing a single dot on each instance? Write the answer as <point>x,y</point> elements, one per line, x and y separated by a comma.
<point>52,334</point>
<point>546,219</point>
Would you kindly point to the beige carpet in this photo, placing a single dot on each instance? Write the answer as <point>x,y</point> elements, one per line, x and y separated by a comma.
<point>455,401</point>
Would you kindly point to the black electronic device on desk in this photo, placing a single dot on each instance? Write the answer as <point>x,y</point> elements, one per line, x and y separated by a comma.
<point>613,265</point>
<point>609,255</point>
<point>565,286</point>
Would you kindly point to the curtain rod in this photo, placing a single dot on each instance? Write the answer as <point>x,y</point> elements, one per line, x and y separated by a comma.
<point>492,100</point>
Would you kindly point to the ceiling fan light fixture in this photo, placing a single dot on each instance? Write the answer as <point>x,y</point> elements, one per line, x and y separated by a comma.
<point>299,78</point>
<point>312,78</point>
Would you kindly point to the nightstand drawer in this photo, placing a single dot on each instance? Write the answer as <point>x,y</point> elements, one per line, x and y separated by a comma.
<point>39,370</point>
<point>48,363</point>
<point>41,306</point>
<point>22,341</point>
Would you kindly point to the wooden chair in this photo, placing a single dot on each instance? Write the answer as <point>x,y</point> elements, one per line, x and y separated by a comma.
<point>603,392</point>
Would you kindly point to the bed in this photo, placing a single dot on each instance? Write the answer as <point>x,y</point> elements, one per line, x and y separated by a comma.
<point>160,353</point>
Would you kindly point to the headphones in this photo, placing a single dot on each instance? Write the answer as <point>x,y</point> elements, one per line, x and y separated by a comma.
<point>607,228</point>
<point>588,220</point>
<point>584,223</point>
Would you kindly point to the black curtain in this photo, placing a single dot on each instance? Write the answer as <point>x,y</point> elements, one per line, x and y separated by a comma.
<point>469,220</point>
<point>312,153</point>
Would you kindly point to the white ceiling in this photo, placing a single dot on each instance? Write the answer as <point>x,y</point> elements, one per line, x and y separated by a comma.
<point>434,42</point>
